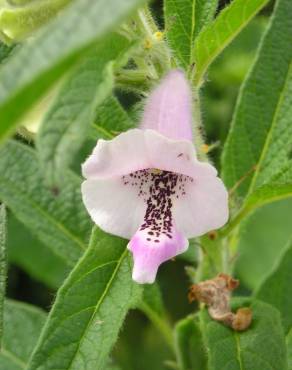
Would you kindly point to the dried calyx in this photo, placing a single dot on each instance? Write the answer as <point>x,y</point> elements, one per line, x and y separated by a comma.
<point>216,294</point>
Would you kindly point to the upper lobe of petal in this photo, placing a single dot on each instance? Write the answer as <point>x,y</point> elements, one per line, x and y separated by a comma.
<point>168,109</point>
<point>138,149</point>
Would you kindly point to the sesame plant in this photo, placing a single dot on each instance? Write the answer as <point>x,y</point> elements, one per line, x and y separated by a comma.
<point>158,235</point>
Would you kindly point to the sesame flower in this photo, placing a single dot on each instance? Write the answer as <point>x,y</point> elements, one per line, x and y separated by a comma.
<point>147,184</point>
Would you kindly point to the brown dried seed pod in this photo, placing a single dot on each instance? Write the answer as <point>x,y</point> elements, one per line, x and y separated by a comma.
<point>216,294</point>
<point>242,319</point>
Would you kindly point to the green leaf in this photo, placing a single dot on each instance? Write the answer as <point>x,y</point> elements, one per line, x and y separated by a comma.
<point>4,51</point>
<point>184,19</point>
<point>262,238</point>
<point>276,289</point>
<point>56,216</point>
<point>153,307</point>
<point>67,123</point>
<point>40,62</point>
<point>43,265</point>
<point>190,352</point>
<point>262,346</point>
<point>112,367</point>
<point>3,267</point>
<point>204,14</point>
<point>111,119</point>
<point>22,326</point>
<point>289,349</point>
<point>260,136</point>
<point>218,34</point>
<point>90,308</point>
<point>18,22</point>
<point>277,187</point>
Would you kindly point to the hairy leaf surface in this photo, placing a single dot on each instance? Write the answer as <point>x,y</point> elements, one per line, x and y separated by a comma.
<point>67,123</point>
<point>90,308</point>
<point>262,346</point>
<point>55,215</point>
<point>257,152</point>
<point>218,34</point>
<point>111,119</point>
<point>184,20</point>
<point>22,327</point>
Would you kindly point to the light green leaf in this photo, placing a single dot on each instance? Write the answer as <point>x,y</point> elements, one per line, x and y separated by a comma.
<point>260,136</point>
<point>276,289</point>
<point>67,123</point>
<point>42,265</point>
<point>218,34</point>
<point>3,267</point>
<point>180,25</point>
<point>262,346</point>
<point>18,22</point>
<point>56,216</point>
<point>183,21</point>
<point>289,349</point>
<point>204,14</point>
<point>40,62</point>
<point>111,119</point>
<point>90,308</point>
<point>190,352</point>
<point>22,326</point>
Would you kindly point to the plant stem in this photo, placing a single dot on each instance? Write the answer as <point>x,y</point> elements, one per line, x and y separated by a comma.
<point>243,212</point>
<point>161,324</point>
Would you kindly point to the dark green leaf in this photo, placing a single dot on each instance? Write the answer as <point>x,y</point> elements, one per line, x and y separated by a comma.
<point>152,306</point>
<point>22,326</point>
<point>41,61</point>
<point>218,34</point>
<point>190,352</point>
<point>67,123</point>
<point>3,267</point>
<point>261,347</point>
<point>259,143</point>
<point>184,20</point>
<point>180,26</point>
<point>56,216</point>
<point>289,349</point>
<point>42,264</point>
<point>111,119</point>
<point>276,289</point>
<point>4,51</point>
<point>89,310</point>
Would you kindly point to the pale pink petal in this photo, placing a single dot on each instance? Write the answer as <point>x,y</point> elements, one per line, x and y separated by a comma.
<point>140,149</point>
<point>114,207</point>
<point>124,154</point>
<point>175,155</point>
<point>149,255</point>
<point>203,207</point>
<point>168,109</point>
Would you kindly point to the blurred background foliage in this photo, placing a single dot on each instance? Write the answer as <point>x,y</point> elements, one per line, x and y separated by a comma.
<point>139,341</point>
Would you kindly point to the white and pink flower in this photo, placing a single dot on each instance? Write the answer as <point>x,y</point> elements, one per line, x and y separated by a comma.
<point>148,186</point>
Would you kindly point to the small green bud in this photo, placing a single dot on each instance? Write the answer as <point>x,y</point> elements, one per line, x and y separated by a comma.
<point>20,18</point>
